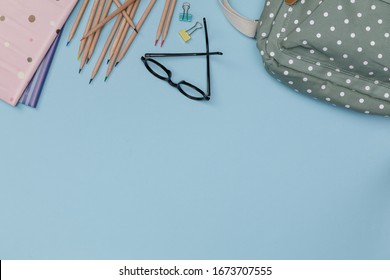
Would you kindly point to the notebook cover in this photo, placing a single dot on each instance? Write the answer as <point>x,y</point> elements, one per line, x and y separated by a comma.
<point>27,30</point>
<point>33,91</point>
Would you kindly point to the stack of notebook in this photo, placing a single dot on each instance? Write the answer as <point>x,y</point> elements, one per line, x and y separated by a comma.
<point>29,34</point>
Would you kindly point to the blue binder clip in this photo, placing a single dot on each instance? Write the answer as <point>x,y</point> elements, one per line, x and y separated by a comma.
<point>185,16</point>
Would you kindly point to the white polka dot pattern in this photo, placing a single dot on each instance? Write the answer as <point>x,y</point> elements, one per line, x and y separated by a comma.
<point>333,50</point>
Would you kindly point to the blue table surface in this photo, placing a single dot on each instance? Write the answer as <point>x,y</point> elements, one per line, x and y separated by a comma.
<point>130,169</point>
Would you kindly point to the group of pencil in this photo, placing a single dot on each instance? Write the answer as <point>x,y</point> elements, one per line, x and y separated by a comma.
<point>165,21</point>
<point>115,45</point>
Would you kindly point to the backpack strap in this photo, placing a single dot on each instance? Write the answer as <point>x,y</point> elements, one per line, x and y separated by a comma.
<point>245,25</point>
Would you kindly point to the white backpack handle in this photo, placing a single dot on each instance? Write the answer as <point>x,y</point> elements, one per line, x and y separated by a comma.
<point>245,25</point>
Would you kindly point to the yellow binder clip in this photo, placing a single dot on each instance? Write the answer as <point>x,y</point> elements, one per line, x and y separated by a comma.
<point>186,34</point>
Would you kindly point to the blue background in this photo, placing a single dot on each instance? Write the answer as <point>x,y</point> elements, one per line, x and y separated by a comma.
<point>130,169</point>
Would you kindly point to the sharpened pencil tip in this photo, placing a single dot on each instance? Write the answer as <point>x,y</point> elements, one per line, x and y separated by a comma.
<point>86,61</point>
<point>116,64</point>
<point>136,31</point>
<point>108,61</point>
<point>162,42</point>
<point>105,79</point>
<point>155,44</point>
<point>67,44</point>
<point>80,70</point>
<point>90,81</point>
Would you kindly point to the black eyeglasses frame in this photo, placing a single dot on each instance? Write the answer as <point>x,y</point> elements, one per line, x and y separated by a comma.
<point>148,58</point>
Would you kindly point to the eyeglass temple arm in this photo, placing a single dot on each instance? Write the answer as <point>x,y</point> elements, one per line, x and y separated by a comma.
<point>181,54</point>
<point>207,57</point>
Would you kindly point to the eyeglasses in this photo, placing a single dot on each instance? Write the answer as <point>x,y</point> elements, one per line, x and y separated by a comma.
<point>187,89</point>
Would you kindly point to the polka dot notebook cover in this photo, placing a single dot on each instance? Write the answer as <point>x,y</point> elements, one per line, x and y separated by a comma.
<point>27,30</point>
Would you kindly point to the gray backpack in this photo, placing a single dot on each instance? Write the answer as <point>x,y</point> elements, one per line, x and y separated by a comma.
<point>337,51</point>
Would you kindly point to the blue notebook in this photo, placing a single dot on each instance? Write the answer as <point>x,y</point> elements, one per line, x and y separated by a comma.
<point>33,91</point>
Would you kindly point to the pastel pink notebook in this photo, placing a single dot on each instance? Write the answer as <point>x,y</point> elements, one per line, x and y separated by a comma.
<point>27,30</point>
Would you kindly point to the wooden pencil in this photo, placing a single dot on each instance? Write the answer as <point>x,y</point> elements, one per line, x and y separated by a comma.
<point>116,39</point>
<point>134,34</point>
<point>90,39</point>
<point>115,54</point>
<point>128,19</point>
<point>88,27</point>
<point>119,33</point>
<point>162,21</point>
<point>135,8</point>
<point>169,20</point>
<point>77,21</point>
<point>108,18</point>
<point>97,35</point>
<point>105,48</point>
<point>122,38</point>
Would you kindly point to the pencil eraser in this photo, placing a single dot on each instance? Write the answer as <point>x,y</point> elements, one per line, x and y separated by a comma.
<point>184,35</point>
